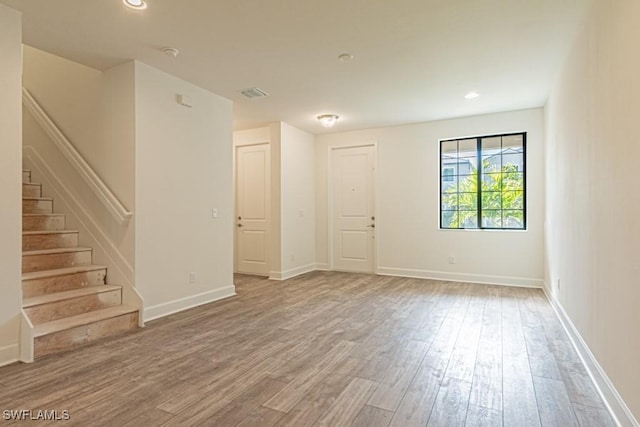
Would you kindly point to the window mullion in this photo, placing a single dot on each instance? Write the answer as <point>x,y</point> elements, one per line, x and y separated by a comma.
<point>479,181</point>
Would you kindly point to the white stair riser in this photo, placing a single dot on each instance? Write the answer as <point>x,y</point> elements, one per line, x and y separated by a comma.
<point>71,307</point>
<point>31,190</point>
<point>71,338</point>
<point>26,176</point>
<point>49,241</point>
<point>53,261</point>
<point>49,285</point>
<point>37,206</point>
<point>43,223</point>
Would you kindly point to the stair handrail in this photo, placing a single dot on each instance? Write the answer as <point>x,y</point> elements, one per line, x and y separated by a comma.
<point>119,212</point>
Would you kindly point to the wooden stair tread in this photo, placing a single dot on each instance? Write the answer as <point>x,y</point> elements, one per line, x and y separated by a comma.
<point>42,199</point>
<point>65,298</point>
<point>61,271</point>
<point>36,232</point>
<point>60,296</point>
<point>56,251</point>
<point>81,319</point>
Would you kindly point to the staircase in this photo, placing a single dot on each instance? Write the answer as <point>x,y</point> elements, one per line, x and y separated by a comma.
<point>63,293</point>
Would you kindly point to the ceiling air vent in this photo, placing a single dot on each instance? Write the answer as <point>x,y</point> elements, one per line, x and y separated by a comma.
<point>254,92</point>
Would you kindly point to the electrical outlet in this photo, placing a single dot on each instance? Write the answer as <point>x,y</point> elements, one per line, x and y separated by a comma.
<point>558,283</point>
<point>192,277</point>
<point>214,213</point>
<point>452,260</point>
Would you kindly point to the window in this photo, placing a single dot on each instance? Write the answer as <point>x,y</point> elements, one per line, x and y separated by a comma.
<point>483,182</point>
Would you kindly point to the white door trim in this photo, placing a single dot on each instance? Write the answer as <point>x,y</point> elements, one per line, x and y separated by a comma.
<point>329,183</point>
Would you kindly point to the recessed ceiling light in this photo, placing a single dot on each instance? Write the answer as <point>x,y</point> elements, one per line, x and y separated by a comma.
<point>345,57</point>
<point>472,95</point>
<point>328,120</point>
<point>135,4</point>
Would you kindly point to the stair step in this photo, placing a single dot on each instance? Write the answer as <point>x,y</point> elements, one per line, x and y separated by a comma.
<point>43,222</point>
<point>64,296</point>
<point>81,320</point>
<point>31,189</point>
<point>48,259</point>
<point>50,307</point>
<point>70,332</point>
<point>49,239</point>
<point>62,279</point>
<point>37,205</point>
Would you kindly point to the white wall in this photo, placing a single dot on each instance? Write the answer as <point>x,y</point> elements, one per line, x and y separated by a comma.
<point>73,95</point>
<point>183,170</point>
<point>275,151</point>
<point>95,110</point>
<point>252,136</point>
<point>10,179</point>
<point>115,159</point>
<point>593,201</point>
<point>297,201</point>
<point>407,184</point>
<point>174,160</point>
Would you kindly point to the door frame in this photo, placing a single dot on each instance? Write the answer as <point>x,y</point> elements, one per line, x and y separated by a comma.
<point>330,198</point>
<point>236,147</point>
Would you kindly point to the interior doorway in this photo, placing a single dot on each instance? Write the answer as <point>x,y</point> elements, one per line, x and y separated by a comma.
<point>353,231</point>
<point>253,209</point>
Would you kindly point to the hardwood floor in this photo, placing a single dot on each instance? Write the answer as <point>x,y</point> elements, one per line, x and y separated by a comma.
<point>326,349</point>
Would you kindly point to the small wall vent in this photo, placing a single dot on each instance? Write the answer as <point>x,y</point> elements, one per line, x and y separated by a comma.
<point>254,92</point>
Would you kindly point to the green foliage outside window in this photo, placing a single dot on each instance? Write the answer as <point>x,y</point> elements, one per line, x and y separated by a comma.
<point>502,199</point>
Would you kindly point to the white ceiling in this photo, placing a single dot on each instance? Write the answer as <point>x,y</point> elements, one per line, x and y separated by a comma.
<point>414,59</point>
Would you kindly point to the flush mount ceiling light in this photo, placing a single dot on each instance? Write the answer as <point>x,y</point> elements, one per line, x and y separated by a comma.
<point>472,95</point>
<point>170,51</point>
<point>345,57</point>
<point>328,120</point>
<point>135,4</point>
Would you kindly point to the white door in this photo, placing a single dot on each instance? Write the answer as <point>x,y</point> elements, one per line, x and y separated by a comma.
<point>252,209</point>
<point>353,209</point>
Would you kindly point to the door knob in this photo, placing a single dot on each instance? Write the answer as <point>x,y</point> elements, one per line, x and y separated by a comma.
<point>239,225</point>
<point>371,226</point>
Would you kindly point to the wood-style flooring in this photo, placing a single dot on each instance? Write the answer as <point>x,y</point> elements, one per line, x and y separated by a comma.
<point>326,349</point>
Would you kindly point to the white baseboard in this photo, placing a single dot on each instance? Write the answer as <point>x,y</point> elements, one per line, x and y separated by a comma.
<point>27,344</point>
<point>524,282</point>
<point>288,274</point>
<point>323,266</point>
<point>275,275</point>
<point>612,399</point>
<point>171,307</point>
<point>9,354</point>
